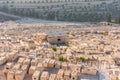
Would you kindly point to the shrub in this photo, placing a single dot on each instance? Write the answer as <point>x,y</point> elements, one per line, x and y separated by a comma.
<point>81,59</point>
<point>54,48</point>
<point>61,58</point>
<point>104,33</point>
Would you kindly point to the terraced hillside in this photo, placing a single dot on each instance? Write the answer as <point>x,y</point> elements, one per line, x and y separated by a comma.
<point>63,10</point>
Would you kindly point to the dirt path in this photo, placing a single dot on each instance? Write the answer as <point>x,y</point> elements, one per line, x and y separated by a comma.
<point>2,76</point>
<point>9,15</point>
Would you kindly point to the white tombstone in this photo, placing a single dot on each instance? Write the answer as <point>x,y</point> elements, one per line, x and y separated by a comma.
<point>44,76</point>
<point>74,75</point>
<point>51,63</point>
<point>26,62</point>
<point>67,74</point>
<point>45,62</point>
<point>21,60</point>
<point>64,66</point>
<point>11,75</point>
<point>19,75</point>
<point>32,69</point>
<point>60,74</point>
<point>25,69</point>
<point>17,66</point>
<point>2,60</point>
<point>52,77</point>
<point>39,66</point>
<point>34,62</point>
<point>57,64</point>
<point>8,66</point>
<point>36,75</point>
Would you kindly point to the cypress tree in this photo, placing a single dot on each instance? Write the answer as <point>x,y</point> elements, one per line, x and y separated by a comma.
<point>109,18</point>
<point>119,20</point>
<point>116,20</point>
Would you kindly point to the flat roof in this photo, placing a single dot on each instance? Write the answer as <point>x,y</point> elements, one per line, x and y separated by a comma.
<point>52,33</point>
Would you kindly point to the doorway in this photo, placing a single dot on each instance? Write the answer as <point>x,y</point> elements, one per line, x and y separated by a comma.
<point>59,40</point>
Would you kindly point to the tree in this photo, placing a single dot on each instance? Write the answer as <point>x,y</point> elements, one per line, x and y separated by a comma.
<point>54,48</point>
<point>116,20</point>
<point>119,20</point>
<point>51,16</point>
<point>61,58</point>
<point>81,59</point>
<point>109,18</point>
<point>104,33</point>
<point>5,9</point>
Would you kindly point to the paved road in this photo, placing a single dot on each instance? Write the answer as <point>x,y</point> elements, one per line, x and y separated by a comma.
<point>9,15</point>
<point>89,77</point>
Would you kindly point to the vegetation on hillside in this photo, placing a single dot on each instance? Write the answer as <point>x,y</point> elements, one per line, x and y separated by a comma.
<point>65,16</point>
<point>54,48</point>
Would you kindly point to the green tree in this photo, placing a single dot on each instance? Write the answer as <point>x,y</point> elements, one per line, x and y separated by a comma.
<point>81,59</point>
<point>54,48</point>
<point>116,20</point>
<point>119,20</point>
<point>61,58</point>
<point>5,9</point>
<point>51,16</point>
<point>109,18</point>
